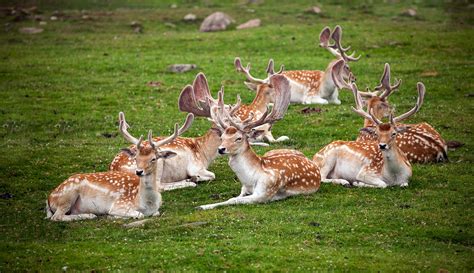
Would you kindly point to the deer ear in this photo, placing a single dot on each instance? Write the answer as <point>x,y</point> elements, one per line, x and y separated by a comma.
<point>251,85</point>
<point>128,152</point>
<point>367,130</point>
<point>166,154</point>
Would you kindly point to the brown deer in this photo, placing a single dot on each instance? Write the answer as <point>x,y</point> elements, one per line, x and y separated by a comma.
<point>115,193</point>
<point>193,155</point>
<point>378,163</point>
<point>310,86</point>
<point>421,143</point>
<point>276,175</point>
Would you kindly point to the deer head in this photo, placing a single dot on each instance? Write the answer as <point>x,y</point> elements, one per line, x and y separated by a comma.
<point>148,153</point>
<point>237,132</point>
<point>386,132</point>
<point>256,84</point>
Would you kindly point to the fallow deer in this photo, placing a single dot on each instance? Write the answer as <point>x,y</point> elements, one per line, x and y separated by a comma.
<point>204,100</point>
<point>276,175</point>
<point>310,86</point>
<point>193,155</point>
<point>378,163</point>
<point>115,193</point>
<point>421,143</point>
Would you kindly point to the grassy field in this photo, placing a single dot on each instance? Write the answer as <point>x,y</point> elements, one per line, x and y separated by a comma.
<point>63,88</point>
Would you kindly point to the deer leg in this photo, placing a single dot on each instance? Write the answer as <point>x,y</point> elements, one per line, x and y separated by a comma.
<point>269,137</point>
<point>125,212</point>
<point>177,185</point>
<point>336,181</point>
<point>60,215</point>
<point>315,100</point>
<point>249,199</point>
<point>204,175</point>
<point>366,178</point>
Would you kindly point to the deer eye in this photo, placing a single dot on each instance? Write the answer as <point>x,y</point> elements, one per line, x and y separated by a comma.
<point>394,134</point>
<point>153,159</point>
<point>239,139</point>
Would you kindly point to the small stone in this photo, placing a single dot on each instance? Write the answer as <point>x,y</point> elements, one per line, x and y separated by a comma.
<point>409,13</point>
<point>53,18</point>
<point>216,22</point>
<point>314,9</point>
<point>190,17</point>
<point>43,23</point>
<point>31,30</point>
<point>250,24</point>
<point>181,68</point>
<point>173,6</point>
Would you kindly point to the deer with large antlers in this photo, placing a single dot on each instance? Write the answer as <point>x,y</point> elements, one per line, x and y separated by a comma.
<point>309,86</point>
<point>378,163</point>
<point>115,193</point>
<point>193,155</point>
<point>199,100</point>
<point>276,175</point>
<point>421,143</point>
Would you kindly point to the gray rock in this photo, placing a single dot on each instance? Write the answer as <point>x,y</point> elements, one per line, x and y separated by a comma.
<point>216,22</point>
<point>250,24</point>
<point>190,17</point>
<point>135,224</point>
<point>181,68</point>
<point>31,30</point>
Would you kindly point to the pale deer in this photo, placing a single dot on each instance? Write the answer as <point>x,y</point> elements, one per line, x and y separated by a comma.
<point>276,175</point>
<point>378,163</point>
<point>193,155</point>
<point>310,86</point>
<point>421,143</point>
<point>115,193</point>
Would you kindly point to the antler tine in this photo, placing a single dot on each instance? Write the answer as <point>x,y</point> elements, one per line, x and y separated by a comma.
<point>236,106</point>
<point>246,71</point>
<point>187,124</point>
<point>336,75</point>
<point>123,126</point>
<point>177,131</point>
<point>150,139</point>
<point>358,109</point>
<point>421,96</point>
<point>368,93</point>
<point>385,83</point>
<point>139,142</point>
<point>336,36</point>
<point>270,67</point>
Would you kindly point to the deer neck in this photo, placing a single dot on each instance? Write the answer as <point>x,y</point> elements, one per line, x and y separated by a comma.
<point>260,102</point>
<point>148,191</point>
<point>396,168</point>
<point>246,165</point>
<point>327,84</point>
<point>208,144</point>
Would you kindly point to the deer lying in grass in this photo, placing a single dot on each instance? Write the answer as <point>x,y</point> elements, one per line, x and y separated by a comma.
<point>193,155</point>
<point>421,143</point>
<point>369,163</point>
<point>274,176</point>
<point>310,86</point>
<point>119,194</point>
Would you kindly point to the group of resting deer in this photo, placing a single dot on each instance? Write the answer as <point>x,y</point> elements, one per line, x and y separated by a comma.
<point>379,157</point>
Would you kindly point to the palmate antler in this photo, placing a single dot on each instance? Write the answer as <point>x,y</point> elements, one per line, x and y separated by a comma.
<point>224,119</point>
<point>197,98</point>
<point>385,83</point>
<point>123,127</point>
<point>336,49</point>
<point>246,71</point>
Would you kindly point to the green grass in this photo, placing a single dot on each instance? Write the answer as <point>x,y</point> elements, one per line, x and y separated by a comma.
<point>62,89</point>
